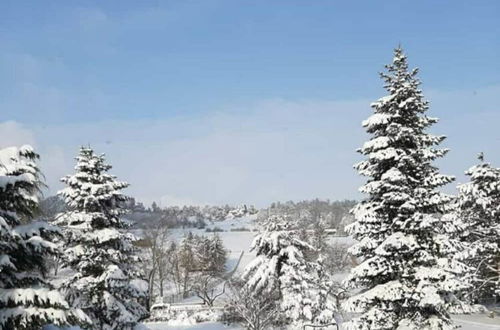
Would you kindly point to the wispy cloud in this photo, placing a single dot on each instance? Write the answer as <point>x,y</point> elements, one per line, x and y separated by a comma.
<point>266,151</point>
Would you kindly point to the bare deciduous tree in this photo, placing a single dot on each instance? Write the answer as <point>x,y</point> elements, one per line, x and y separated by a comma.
<point>156,240</point>
<point>207,287</point>
<point>258,311</point>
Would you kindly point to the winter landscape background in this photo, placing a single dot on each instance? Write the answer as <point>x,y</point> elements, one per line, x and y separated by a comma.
<point>189,165</point>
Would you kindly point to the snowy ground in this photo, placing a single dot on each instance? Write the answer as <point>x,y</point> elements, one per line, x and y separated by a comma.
<point>204,326</point>
<point>467,322</point>
<point>477,322</point>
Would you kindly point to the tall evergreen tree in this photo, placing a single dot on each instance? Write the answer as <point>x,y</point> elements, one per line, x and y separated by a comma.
<point>479,209</point>
<point>107,284</point>
<point>281,270</point>
<point>27,300</point>
<point>406,275</point>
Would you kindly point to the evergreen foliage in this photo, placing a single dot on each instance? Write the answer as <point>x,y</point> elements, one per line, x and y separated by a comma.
<point>479,209</point>
<point>281,270</point>
<point>27,300</point>
<point>107,284</point>
<point>406,273</point>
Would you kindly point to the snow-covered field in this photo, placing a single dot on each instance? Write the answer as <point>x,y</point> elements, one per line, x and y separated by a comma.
<point>238,241</point>
<point>467,322</point>
<point>204,326</point>
<point>235,241</point>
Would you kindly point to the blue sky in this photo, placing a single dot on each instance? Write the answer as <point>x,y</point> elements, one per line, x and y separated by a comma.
<point>238,101</point>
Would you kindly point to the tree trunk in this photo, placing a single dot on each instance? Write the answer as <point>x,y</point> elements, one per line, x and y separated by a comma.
<point>151,287</point>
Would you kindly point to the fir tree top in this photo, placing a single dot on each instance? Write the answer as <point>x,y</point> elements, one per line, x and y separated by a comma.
<point>479,203</point>
<point>399,156</point>
<point>20,183</point>
<point>93,192</point>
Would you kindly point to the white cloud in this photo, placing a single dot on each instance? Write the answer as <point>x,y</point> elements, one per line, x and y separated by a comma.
<point>13,133</point>
<point>53,161</point>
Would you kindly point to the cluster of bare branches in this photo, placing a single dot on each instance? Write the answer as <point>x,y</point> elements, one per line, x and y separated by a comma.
<point>195,265</point>
<point>257,312</point>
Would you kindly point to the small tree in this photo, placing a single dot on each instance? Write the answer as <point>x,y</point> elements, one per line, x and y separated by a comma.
<point>173,268</point>
<point>479,209</point>
<point>258,311</point>
<point>211,261</point>
<point>217,255</point>
<point>186,262</point>
<point>281,270</point>
<point>156,242</point>
<point>206,287</point>
<point>27,300</point>
<point>107,284</point>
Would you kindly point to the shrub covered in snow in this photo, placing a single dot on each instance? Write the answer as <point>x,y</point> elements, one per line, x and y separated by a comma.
<point>281,270</point>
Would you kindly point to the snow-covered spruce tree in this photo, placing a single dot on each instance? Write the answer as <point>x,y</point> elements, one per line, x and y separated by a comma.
<point>107,285</point>
<point>27,301</point>
<point>281,270</point>
<point>406,273</point>
<point>479,209</point>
